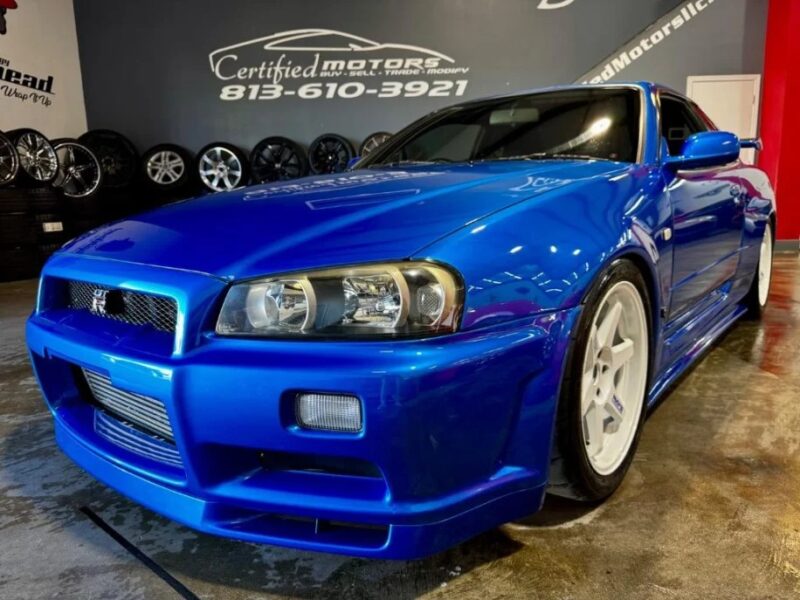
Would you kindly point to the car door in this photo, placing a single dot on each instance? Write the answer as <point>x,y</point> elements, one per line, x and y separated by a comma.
<point>708,216</point>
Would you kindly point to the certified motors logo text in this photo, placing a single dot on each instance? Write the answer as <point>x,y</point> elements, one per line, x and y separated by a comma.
<point>315,64</point>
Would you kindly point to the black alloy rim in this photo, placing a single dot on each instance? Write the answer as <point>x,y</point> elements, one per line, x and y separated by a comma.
<point>79,171</point>
<point>329,155</point>
<point>274,159</point>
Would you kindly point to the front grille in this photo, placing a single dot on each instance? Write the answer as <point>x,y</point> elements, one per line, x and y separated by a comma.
<point>126,436</point>
<point>136,308</point>
<point>147,414</point>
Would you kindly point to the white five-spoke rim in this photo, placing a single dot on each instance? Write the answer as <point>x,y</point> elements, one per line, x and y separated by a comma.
<point>165,167</point>
<point>765,266</point>
<point>614,377</point>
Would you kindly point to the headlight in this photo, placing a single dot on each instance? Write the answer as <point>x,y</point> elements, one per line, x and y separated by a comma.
<point>403,299</point>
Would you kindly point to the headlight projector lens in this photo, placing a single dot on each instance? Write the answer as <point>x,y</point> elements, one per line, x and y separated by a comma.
<point>393,300</point>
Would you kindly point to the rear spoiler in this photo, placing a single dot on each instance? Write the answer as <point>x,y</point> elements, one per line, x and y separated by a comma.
<point>754,143</point>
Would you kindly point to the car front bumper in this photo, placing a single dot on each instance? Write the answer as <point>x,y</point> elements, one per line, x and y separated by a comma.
<point>456,438</point>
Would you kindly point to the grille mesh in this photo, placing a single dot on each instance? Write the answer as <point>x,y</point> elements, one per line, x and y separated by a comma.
<point>144,412</point>
<point>137,308</point>
<point>122,434</point>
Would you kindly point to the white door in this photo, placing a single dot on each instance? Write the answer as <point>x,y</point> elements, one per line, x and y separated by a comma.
<point>732,102</point>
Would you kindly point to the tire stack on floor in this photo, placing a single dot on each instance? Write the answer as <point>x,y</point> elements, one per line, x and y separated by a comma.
<point>32,220</point>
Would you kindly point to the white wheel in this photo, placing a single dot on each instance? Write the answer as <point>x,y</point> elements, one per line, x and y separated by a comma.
<point>614,377</point>
<point>765,267</point>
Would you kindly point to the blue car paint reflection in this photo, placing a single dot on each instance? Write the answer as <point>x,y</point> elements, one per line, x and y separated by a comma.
<point>457,428</point>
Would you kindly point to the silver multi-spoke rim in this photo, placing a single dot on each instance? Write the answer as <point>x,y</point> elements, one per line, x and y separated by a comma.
<point>36,156</point>
<point>614,377</point>
<point>765,266</point>
<point>79,171</point>
<point>372,143</point>
<point>9,161</point>
<point>220,169</point>
<point>165,167</point>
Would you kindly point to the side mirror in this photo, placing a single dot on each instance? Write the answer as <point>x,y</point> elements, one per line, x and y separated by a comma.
<point>707,149</point>
<point>352,162</point>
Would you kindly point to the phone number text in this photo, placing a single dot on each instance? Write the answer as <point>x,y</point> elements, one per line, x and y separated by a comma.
<point>347,90</point>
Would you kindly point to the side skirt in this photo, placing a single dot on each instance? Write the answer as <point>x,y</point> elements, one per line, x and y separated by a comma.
<point>696,351</point>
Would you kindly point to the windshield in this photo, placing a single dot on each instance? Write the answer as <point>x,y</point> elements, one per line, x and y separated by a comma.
<point>587,123</point>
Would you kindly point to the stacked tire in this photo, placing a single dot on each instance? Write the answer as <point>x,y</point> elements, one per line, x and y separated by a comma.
<point>31,219</point>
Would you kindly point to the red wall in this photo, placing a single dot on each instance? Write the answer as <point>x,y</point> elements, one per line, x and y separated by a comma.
<point>780,113</point>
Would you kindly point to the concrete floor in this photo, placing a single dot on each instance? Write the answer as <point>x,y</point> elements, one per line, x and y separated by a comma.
<point>710,508</point>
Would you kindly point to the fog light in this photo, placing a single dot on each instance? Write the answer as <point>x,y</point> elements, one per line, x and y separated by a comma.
<point>329,412</point>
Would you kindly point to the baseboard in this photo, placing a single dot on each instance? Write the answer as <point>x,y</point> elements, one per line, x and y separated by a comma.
<point>787,246</point>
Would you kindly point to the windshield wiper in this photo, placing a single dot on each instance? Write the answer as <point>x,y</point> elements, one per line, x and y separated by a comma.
<point>544,156</point>
<point>402,163</point>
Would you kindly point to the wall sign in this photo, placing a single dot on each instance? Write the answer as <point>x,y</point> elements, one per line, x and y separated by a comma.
<point>4,6</point>
<point>25,87</point>
<point>320,64</point>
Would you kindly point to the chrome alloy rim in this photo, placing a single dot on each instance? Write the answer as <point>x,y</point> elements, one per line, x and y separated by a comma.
<point>765,266</point>
<point>220,169</point>
<point>37,156</point>
<point>165,167</point>
<point>614,377</point>
<point>9,161</point>
<point>79,171</point>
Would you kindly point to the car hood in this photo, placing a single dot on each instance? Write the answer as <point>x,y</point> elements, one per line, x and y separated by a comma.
<point>360,216</point>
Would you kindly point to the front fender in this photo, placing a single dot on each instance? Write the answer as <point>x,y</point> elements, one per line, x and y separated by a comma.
<point>543,254</point>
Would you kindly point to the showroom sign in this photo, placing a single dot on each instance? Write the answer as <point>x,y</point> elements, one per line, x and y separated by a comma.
<point>666,27</point>
<point>319,64</point>
<point>25,87</point>
<point>553,4</point>
<point>4,6</point>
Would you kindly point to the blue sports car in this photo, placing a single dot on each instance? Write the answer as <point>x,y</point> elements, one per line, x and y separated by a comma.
<point>388,361</point>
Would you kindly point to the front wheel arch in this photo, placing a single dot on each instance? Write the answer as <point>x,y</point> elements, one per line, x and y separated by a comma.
<point>565,478</point>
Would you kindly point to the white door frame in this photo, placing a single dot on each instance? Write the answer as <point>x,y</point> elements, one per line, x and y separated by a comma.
<point>690,81</point>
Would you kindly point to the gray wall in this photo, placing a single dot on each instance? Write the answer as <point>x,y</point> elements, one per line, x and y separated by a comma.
<point>146,65</point>
<point>727,38</point>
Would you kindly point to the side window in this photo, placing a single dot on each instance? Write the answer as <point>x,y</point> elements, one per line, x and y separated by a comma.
<point>678,122</point>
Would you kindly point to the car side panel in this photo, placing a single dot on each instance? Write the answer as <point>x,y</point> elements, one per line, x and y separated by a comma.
<point>759,205</point>
<point>708,223</point>
<point>543,256</point>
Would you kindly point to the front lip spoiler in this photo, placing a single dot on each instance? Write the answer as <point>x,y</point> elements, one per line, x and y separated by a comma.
<point>403,542</point>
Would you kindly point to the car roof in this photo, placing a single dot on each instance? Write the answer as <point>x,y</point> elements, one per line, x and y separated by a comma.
<point>644,86</point>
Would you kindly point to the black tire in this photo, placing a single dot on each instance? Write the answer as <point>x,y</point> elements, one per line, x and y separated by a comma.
<point>13,200</point>
<point>167,167</point>
<point>9,160</point>
<point>38,163</point>
<point>19,262</point>
<point>330,153</point>
<point>755,308</point>
<point>571,474</point>
<point>117,156</point>
<point>216,154</point>
<point>80,175</point>
<point>18,228</point>
<point>277,158</point>
<point>372,141</point>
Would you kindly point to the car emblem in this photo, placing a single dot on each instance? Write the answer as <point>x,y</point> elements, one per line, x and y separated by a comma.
<point>99,300</point>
